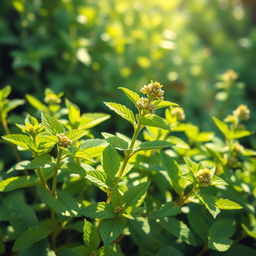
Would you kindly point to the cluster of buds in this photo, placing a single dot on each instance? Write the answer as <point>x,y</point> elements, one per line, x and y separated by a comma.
<point>52,99</point>
<point>153,91</point>
<point>204,177</point>
<point>178,112</point>
<point>145,106</point>
<point>64,141</point>
<point>229,76</point>
<point>118,209</point>
<point>242,113</point>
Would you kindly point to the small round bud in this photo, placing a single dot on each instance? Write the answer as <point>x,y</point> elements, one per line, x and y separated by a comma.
<point>153,90</point>
<point>64,141</point>
<point>143,104</point>
<point>242,112</point>
<point>52,99</point>
<point>178,112</point>
<point>229,76</point>
<point>231,119</point>
<point>118,209</point>
<point>204,177</point>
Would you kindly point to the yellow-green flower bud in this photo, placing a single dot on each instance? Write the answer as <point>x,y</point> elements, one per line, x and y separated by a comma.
<point>64,141</point>
<point>153,90</point>
<point>143,104</point>
<point>204,177</point>
<point>229,76</point>
<point>178,112</point>
<point>118,209</point>
<point>242,112</point>
<point>52,99</point>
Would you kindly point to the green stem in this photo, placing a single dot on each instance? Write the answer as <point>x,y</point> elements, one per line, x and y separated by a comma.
<point>57,166</point>
<point>183,199</point>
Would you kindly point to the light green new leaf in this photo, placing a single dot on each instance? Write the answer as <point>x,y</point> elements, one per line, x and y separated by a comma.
<point>240,134</point>
<point>52,125</point>
<point>179,229</point>
<point>90,235</point>
<point>164,104</point>
<point>99,178</point>
<point>168,209</point>
<point>157,144</point>
<point>135,195</point>
<point>122,110</point>
<point>31,236</point>
<point>12,104</point>
<point>73,112</point>
<point>223,127</point>
<point>154,121</point>
<point>5,92</point>
<point>36,103</point>
<point>110,161</point>
<point>98,210</point>
<point>17,182</point>
<point>217,181</point>
<point>210,203</point>
<point>76,134</point>
<point>220,233</point>
<point>90,120</point>
<point>132,96</point>
<point>22,140</point>
<point>111,229</point>
<point>226,204</point>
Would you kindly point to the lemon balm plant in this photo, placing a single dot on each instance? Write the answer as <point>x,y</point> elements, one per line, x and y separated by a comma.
<point>164,189</point>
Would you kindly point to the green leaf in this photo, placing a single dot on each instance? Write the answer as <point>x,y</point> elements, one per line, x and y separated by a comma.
<point>154,121</point>
<point>36,103</point>
<point>22,140</point>
<point>179,229</point>
<point>168,250</point>
<point>111,229</point>
<point>17,182</point>
<point>117,142</point>
<point>168,209</point>
<point>90,120</point>
<point>5,92</point>
<point>226,204</point>
<point>157,144</point>
<point>217,181</point>
<point>240,134</point>
<point>73,112</point>
<point>135,195</point>
<point>91,236</point>
<point>76,134</point>
<point>40,162</point>
<point>164,104</point>
<point>110,161</point>
<point>210,203</point>
<point>97,177</point>
<point>223,127</point>
<point>31,236</point>
<point>219,234</point>
<point>12,104</point>
<point>98,210</point>
<point>63,204</point>
<point>52,125</point>
<point>122,110</point>
<point>132,96</point>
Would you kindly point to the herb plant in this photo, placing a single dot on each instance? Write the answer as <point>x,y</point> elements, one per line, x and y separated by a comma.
<point>166,189</point>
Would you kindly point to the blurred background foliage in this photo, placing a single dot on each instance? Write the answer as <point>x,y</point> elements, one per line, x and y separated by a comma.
<point>86,48</point>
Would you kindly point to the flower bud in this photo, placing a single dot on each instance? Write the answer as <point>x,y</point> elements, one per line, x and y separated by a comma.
<point>52,99</point>
<point>242,112</point>
<point>178,112</point>
<point>204,177</point>
<point>229,76</point>
<point>143,104</point>
<point>64,141</point>
<point>153,91</point>
<point>118,209</point>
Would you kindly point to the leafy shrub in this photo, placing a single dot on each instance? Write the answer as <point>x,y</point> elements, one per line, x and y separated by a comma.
<point>166,189</point>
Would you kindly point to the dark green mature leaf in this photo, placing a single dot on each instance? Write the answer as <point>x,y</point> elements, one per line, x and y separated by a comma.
<point>156,144</point>
<point>210,203</point>
<point>135,195</point>
<point>117,142</point>
<point>17,182</point>
<point>98,210</point>
<point>31,236</point>
<point>41,248</point>
<point>132,96</point>
<point>155,121</point>
<point>220,233</point>
<point>168,250</point>
<point>179,229</point>
<point>111,229</point>
<point>52,125</point>
<point>122,110</point>
<point>168,209</point>
<point>110,161</point>
<point>91,236</point>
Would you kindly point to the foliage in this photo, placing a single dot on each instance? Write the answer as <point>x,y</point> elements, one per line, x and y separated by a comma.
<point>173,191</point>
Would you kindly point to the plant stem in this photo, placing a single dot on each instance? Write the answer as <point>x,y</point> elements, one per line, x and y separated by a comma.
<point>183,199</point>
<point>57,166</point>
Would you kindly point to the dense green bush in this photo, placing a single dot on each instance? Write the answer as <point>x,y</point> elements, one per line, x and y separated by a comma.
<point>165,189</point>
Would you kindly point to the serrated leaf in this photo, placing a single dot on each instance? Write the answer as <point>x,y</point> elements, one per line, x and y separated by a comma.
<point>17,182</point>
<point>219,234</point>
<point>156,144</point>
<point>122,111</point>
<point>210,203</point>
<point>98,210</point>
<point>90,120</point>
<point>154,121</point>
<point>52,125</point>
<point>179,229</point>
<point>97,177</point>
<point>132,96</point>
<point>36,103</point>
<point>217,181</point>
<point>22,140</point>
<point>73,112</point>
<point>134,195</point>
<point>76,134</point>
<point>31,236</point>
<point>111,229</point>
<point>90,236</point>
<point>226,204</point>
<point>223,127</point>
<point>110,161</point>
<point>168,209</point>
<point>117,142</point>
